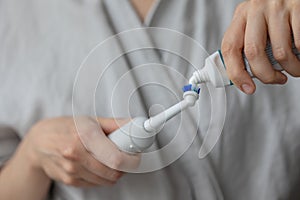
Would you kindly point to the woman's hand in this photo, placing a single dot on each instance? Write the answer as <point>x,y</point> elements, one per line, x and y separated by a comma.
<point>253,22</point>
<point>55,147</point>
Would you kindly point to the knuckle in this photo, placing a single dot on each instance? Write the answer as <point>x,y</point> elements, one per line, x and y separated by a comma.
<point>294,4</point>
<point>280,54</point>
<point>38,126</point>
<point>256,1</point>
<point>268,79</point>
<point>228,48</point>
<point>252,50</point>
<point>68,180</point>
<point>70,152</point>
<point>70,168</point>
<point>276,4</point>
<point>234,75</point>
<point>240,8</point>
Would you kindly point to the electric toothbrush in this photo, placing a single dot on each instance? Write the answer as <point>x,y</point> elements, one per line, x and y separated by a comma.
<point>139,134</point>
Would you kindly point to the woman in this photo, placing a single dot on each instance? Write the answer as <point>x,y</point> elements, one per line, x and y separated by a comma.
<point>44,42</point>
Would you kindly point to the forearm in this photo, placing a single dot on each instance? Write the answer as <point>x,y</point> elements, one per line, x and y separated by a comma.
<point>20,179</point>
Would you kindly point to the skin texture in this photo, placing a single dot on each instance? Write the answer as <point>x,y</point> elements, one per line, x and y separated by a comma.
<point>142,7</point>
<point>52,150</point>
<point>253,22</point>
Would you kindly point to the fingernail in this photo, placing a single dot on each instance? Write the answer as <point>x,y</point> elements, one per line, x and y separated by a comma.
<point>247,88</point>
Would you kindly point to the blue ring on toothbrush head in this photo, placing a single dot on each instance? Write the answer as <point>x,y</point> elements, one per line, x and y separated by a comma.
<point>190,87</point>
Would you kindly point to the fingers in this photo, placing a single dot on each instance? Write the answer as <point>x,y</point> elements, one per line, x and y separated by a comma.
<point>252,22</point>
<point>91,135</point>
<point>255,44</point>
<point>280,37</point>
<point>73,179</point>
<point>107,153</point>
<point>97,168</point>
<point>79,172</point>
<point>295,24</point>
<point>83,155</point>
<point>104,150</point>
<point>56,171</point>
<point>232,48</point>
<point>85,167</point>
<point>109,125</point>
<point>77,153</point>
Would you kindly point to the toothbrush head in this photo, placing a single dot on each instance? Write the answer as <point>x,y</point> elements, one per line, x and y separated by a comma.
<point>191,87</point>
<point>191,94</point>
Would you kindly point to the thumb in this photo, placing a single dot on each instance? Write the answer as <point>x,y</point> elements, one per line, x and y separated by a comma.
<point>109,125</point>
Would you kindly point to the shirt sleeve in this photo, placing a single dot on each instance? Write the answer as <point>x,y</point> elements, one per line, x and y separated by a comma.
<point>9,141</point>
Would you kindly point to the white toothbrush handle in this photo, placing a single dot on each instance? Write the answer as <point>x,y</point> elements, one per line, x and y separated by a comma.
<point>132,137</point>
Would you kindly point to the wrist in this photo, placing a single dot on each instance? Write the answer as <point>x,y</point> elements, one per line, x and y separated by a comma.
<point>21,177</point>
<point>28,156</point>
